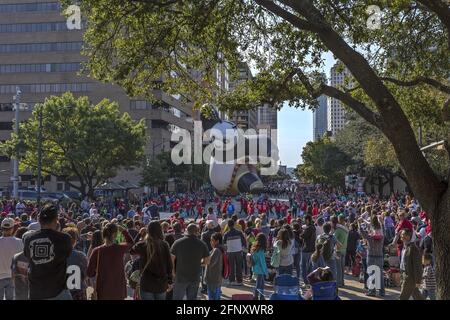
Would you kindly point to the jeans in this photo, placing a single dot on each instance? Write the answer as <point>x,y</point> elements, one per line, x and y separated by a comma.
<point>332,265</point>
<point>188,289</point>
<point>320,263</point>
<point>306,266</point>
<point>235,259</point>
<point>214,293</point>
<point>244,262</point>
<point>285,269</point>
<point>429,293</point>
<point>259,284</point>
<point>377,261</point>
<point>340,266</point>
<point>6,289</point>
<point>152,296</point>
<point>364,263</point>
<point>297,261</point>
<point>64,295</point>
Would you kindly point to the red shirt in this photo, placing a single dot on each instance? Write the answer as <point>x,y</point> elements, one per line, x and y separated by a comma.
<point>289,218</point>
<point>315,211</point>
<point>405,224</point>
<point>111,282</point>
<point>277,207</point>
<point>250,208</point>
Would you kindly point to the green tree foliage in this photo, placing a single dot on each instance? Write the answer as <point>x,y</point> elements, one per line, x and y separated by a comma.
<point>323,162</point>
<point>158,170</point>
<point>83,144</point>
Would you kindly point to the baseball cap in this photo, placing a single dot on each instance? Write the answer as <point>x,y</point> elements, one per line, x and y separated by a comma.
<point>7,223</point>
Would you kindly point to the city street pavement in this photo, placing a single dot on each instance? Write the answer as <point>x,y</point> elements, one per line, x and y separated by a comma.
<point>354,290</point>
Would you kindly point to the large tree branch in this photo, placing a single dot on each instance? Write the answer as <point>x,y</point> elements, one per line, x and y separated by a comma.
<point>342,96</point>
<point>418,80</point>
<point>286,15</point>
<point>442,10</point>
<point>446,111</point>
<point>359,107</point>
<point>161,4</point>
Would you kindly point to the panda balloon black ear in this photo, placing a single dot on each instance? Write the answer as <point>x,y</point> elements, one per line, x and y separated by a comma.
<point>209,116</point>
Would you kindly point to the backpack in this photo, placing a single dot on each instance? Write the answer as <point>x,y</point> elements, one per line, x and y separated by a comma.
<point>327,248</point>
<point>226,270</point>
<point>133,273</point>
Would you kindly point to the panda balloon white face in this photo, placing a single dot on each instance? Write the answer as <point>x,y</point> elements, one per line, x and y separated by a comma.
<point>231,153</point>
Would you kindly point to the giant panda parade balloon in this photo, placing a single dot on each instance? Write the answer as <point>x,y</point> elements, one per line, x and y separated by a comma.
<point>238,175</point>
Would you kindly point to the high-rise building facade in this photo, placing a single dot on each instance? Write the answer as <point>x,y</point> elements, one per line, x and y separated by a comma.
<point>320,118</point>
<point>42,57</point>
<point>267,116</point>
<point>336,112</point>
<point>244,119</point>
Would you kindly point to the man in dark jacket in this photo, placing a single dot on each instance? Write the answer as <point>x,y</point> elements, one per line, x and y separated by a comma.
<point>308,238</point>
<point>206,235</point>
<point>410,267</point>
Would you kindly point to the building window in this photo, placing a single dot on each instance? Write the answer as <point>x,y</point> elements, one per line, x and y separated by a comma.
<point>40,67</point>
<point>6,126</point>
<point>46,88</point>
<point>34,27</point>
<point>59,186</point>
<point>30,7</point>
<point>140,105</point>
<point>40,47</point>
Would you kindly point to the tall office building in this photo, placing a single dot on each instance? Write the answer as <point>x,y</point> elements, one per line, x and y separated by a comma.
<point>42,57</point>
<point>336,112</point>
<point>320,118</point>
<point>267,116</point>
<point>244,119</point>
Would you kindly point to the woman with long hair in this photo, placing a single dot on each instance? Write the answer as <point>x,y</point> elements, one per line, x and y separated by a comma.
<point>375,251</point>
<point>155,263</point>
<point>285,244</point>
<point>96,240</point>
<point>258,262</point>
<point>317,260</point>
<point>106,264</point>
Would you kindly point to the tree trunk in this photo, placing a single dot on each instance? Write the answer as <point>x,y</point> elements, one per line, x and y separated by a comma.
<point>391,183</point>
<point>440,221</point>
<point>380,186</point>
<point>90,194</point>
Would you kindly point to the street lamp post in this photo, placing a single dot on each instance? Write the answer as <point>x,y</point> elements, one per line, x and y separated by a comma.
<point>155,146</point>
<point>15,177</point>
<point>39,165</point>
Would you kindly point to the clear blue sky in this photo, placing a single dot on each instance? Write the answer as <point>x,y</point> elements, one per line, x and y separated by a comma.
<point>295,128</point>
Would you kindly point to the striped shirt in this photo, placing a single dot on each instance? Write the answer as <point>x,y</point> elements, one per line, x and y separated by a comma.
<point>429,278</point>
